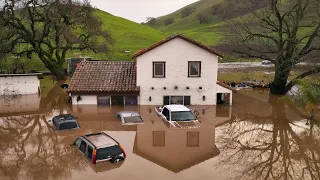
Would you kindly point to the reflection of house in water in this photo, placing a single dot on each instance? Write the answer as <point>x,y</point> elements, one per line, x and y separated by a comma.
<point>178,149</point>
<point>20,105</point>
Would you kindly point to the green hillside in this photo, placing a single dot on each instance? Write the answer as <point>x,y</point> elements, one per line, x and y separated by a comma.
<point>190,22</point>
<point>213,12</point>
<point>128,35</point>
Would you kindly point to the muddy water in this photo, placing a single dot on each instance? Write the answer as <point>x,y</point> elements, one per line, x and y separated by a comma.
<point>259,137</point>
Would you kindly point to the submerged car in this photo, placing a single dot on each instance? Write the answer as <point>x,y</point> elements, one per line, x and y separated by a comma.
<point>65,122</point>
<point>100,147</point>
<point>178,116</point>
<point>129,117</point>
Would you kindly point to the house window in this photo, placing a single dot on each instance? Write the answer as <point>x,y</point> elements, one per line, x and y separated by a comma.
<point>159,138</point>
<point>159,69</point>
<point>184,100</point>
<point>192,139</point>
<point>194,69</point>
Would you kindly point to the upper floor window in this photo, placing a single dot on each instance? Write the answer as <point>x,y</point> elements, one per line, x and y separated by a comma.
<point>159,69</point>
<point>194,69</point>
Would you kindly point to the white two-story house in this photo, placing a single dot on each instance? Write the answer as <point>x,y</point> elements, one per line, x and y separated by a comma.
<point>175,70</point>
<point>180,70</point>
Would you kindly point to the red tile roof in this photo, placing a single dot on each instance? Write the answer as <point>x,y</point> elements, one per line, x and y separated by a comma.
<point>226,86</point>
<point>104,77</point>
<point>214,51</point>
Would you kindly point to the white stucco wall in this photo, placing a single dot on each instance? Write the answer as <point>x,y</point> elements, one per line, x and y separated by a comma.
<point>176,53</point>
<point>86,100</point>
<point>21,84</point>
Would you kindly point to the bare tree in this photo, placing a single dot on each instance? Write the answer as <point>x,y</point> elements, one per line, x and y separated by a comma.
<point>187,11</point>
<point>168,21</point>
<point>50,29</point>
<point>285,33</point>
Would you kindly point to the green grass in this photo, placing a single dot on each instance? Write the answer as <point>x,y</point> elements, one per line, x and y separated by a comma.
<point>190,22</point>
<point>128,35</point>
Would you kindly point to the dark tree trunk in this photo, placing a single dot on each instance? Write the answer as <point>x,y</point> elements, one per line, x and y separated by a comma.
<point>279,84</point>
<point>59,74</point>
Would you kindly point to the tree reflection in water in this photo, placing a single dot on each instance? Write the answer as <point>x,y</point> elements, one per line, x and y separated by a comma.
<point>270,147</point>
<point>31,148</point>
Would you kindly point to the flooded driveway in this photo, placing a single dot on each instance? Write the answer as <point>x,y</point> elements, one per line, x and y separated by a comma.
<point>259,137</point>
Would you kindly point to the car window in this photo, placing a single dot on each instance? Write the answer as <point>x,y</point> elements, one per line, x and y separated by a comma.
<point>68,125</point>
<point>54,122</point>
<point>182,116</point>
<point>78,142</point>
<point>90,150</point>
<point>166,112</point>
<point>118,117</point>
<point>83,146</point>
<point>108,152</point>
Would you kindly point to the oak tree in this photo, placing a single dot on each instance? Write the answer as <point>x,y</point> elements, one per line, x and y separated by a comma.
<point>50,29</point>
<point>283,32</point>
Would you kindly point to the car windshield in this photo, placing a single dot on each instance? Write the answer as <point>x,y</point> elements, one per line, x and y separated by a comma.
<point>132,119</point>
<point>182,116</point>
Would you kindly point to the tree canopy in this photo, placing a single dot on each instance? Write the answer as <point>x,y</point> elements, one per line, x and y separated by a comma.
<point>50,29</point>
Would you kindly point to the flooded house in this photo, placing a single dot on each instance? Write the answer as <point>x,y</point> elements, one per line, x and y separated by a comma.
<point>176,70</point>
<point>19,84</point>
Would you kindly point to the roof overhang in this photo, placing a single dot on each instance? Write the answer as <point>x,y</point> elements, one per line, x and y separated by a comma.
<point>207,48</point>
<point>39,75</point>
<point>226,87</point>
<point>103,92</point>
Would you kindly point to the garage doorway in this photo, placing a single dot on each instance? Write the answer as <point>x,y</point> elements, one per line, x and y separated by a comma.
<point>117,100</point>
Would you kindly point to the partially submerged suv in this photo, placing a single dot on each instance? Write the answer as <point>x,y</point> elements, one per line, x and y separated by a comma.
<point>100,147</point>
<point>64,122</point>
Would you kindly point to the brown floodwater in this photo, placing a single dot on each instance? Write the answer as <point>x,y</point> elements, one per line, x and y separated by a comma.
<point>259,137</point>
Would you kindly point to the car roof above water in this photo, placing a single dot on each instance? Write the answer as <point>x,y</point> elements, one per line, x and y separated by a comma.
<point>101,140</point>
<point>177,107</point>
<point>128,113</point>
<point>64,117</point>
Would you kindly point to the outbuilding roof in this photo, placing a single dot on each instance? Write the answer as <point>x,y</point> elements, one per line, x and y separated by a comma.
<point>104,77</point>
<point>226,86</point>
<point>39,75</point>
<point>212,50</point>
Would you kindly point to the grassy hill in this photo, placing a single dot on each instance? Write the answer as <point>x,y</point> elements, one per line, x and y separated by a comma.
<point>182,24</point>
<point>213,12</point>
<point>128,35</point>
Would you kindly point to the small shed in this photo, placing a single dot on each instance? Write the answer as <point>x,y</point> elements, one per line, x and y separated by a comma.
<point>18,84</point>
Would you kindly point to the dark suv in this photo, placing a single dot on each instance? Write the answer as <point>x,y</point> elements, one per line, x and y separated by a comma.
<point>100,147</point>
<point>65,121</point>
